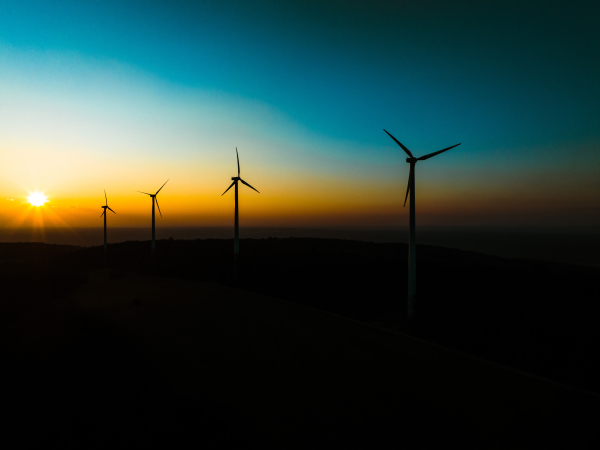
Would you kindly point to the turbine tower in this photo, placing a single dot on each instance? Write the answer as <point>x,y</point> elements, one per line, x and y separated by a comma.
<point>154,200</point>
<point>412,259</point>
<point>105,207</point>
<point>236,241</point>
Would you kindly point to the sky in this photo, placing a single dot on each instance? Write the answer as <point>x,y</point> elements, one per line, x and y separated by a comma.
<point>124,95</point>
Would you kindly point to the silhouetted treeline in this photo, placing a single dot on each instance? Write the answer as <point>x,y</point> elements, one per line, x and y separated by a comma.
<point>537,316</point>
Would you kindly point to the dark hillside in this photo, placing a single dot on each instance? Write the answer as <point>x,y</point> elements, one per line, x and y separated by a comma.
<point>32,277</point>
<point>94,357</point>
<point>538,316</point>
<point>32,251</point>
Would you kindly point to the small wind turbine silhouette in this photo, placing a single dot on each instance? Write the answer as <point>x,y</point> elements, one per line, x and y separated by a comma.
<point>154,200</point>
<point>412,259</point>
<point>236,242</point>
<point>104,214</point>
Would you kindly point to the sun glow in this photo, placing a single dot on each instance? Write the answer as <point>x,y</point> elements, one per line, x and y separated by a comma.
<point>37,198</point>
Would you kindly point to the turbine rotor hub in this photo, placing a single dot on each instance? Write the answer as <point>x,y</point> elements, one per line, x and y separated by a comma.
<point>411,160</point>
<point>235,178</point>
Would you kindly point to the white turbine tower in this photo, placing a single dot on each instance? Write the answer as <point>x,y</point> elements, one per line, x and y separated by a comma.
<point>412,259</point>
<point>236,241</point>
<point>154,200</point>
<point>104,214</point>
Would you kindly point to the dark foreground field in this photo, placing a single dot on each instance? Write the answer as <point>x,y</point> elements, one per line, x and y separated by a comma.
<point>130,355</point>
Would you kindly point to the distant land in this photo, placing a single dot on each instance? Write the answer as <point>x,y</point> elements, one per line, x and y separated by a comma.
<point>572,245</point>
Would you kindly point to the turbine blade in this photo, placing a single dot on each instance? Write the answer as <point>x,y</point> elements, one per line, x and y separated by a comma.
<point>410,175</point>
<point>144,193</point>
<point>156,198</point>
<point>248,185</point>
<point>423,158</point>
<point>103,212</point>
<point>110,209</point>
<point>227,189</point>
<point>238,160</point>
<point>400,144</point>
<point>161,187</point>
<point>105,197</point>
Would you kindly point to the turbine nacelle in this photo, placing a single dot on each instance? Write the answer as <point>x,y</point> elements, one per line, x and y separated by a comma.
<point>238,178</point>
<point>155,197</point>
<point>412,161</point>
<point>105,207</point>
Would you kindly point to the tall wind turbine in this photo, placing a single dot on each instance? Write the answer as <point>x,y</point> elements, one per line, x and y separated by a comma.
<point>236,242</point>
<point>412,259</point>
<point>154,200</point>
<point>104,214</point>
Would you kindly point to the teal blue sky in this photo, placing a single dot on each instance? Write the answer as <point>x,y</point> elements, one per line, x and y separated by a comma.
<point>515,82</point>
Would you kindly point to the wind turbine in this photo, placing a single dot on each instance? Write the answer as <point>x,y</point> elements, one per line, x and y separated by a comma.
<point>236,242</point>
<point>154,200</point>
<point>412,260</point>
<point>105,207</point>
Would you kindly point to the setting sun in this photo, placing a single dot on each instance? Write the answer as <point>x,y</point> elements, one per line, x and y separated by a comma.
<point>37,198</point>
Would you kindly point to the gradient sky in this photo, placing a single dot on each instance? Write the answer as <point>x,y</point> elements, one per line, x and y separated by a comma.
<point>124,95</point>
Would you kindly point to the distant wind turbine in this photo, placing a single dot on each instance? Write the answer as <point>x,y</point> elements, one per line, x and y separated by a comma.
<point>236,242</point>
<point>104,214</point>
<point>154,200</point>
<point>412,260</point>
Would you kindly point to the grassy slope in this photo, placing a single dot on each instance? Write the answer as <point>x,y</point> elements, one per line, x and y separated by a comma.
<point>142,360</point>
